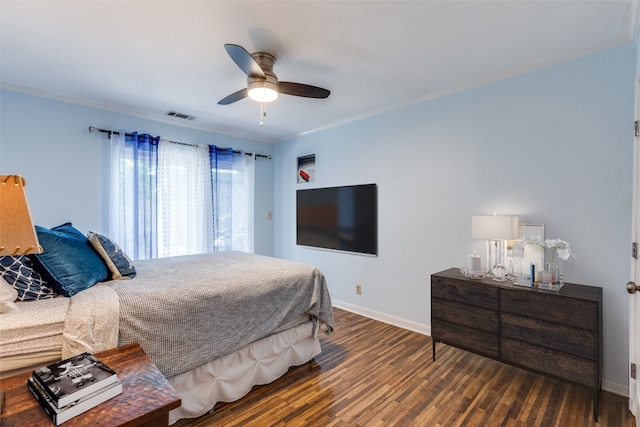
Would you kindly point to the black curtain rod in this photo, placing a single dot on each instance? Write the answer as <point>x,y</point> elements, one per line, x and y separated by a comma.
<point>115,132</point>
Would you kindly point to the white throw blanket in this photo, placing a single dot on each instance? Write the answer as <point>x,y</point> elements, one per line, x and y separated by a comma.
<point>92,321</point>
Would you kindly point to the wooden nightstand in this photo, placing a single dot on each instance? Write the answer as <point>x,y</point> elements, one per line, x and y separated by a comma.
<point>146,399</point>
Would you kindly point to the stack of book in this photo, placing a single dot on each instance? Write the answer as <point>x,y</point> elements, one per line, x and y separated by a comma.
<point>68,388</point>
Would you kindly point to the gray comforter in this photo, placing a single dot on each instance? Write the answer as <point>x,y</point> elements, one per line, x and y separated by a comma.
<point>188,310</point>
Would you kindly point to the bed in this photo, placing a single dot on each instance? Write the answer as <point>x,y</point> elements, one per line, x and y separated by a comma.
<point>214,324</point>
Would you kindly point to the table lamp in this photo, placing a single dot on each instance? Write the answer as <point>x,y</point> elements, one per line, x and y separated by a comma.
<point>496,229</point>
<point>17,234</point>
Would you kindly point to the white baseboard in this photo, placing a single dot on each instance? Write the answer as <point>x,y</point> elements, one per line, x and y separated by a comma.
<point>615,388</point>
<point>609,386</point>
<point>384,318</point>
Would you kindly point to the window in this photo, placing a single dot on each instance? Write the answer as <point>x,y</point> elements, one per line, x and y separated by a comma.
<point>172,199</point>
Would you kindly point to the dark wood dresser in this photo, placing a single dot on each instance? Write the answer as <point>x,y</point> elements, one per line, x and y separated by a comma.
<point>558,334</point>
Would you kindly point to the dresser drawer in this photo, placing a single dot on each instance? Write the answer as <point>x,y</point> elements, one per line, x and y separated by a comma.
<point>466,338</point>
<point>470,316</point>
<point>567,339</point>
<point>550,362</point>
<point>551,307</point>
<point>465,292</point>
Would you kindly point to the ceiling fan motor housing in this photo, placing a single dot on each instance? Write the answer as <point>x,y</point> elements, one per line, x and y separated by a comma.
<point>264,90</point>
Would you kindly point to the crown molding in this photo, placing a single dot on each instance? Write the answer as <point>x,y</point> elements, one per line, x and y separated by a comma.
<point>494,78</point>
<point>129,112</point>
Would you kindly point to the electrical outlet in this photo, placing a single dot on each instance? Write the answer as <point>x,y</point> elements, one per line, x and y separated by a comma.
<point>358,290</point>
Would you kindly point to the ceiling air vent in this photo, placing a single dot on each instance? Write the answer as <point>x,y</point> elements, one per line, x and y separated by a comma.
<point>180,115</point>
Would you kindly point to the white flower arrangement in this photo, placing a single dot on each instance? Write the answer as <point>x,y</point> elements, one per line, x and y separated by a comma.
<point>553,248</point>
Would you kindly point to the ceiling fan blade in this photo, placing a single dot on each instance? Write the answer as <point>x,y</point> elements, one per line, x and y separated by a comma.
<point>245,61</point>
<point>299,89</point>
<point>236,96</point>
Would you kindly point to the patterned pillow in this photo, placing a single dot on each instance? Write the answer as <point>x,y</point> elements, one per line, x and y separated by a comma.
<point>117,261</point>
<point>18,272</point>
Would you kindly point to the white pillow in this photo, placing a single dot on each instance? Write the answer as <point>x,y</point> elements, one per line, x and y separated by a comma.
<point>8,295</point>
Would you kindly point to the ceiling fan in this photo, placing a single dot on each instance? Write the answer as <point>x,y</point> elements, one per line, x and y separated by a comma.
<point>262,84</point>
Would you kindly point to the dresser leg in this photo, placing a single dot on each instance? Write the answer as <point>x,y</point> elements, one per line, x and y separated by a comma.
<point>595,405</point>
<point>433,348</point>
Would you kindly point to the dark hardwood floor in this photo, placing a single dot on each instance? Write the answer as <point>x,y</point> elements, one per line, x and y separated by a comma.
<point>373,374</point>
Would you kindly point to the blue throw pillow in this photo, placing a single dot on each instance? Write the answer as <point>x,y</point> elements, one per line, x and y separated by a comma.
<point>117,261</point>
<point>68,262</point>
<point>18,272</point>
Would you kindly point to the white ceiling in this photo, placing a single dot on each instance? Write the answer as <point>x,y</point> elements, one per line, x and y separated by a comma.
<point>147,57</point>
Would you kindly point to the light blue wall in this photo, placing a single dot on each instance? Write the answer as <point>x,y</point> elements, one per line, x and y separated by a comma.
<point>553,146</point>
<point>48,142</point>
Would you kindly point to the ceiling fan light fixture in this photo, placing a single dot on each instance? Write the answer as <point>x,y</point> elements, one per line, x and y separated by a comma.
<point>263,91</point>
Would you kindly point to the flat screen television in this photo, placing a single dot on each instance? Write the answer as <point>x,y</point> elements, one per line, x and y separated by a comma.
<point>341,218</point>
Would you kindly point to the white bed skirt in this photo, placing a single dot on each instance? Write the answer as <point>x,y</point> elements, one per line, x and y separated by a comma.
<point>231,377</point>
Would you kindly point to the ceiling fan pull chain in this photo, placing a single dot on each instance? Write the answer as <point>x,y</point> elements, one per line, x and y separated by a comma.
<point>262,113</point>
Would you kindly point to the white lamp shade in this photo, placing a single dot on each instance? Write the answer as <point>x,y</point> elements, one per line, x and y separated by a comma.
<point>495,227</point>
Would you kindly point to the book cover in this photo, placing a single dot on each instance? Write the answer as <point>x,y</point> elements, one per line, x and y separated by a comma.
<point>71,379</point>
<point>60,415</point>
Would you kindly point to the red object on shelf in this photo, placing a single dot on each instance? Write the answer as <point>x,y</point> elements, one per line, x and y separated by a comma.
<point>304,175</point>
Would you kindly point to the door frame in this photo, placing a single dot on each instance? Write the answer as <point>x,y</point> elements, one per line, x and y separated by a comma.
<point>634,299</point>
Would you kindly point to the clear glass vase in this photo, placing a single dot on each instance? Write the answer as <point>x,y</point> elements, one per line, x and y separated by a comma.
<point>545,276</point>
<point>557,273</point>
<point>552,277</point>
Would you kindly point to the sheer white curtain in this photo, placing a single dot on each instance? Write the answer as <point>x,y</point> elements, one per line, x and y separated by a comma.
<point>116,184</point>
<point>242,203</point>
<point>185,224</point>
